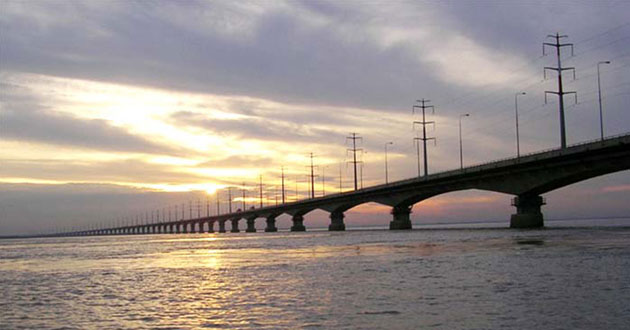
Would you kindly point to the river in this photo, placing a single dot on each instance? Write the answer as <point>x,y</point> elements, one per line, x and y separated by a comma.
<point>570,275</point>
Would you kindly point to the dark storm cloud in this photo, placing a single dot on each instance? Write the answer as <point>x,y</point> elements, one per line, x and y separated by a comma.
<point>282,60</point>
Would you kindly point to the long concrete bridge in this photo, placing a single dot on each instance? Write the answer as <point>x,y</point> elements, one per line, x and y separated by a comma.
<point>526,177</point>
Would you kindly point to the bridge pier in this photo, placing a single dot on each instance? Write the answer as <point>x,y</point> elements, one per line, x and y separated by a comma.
<point>271,224</point>
<point>251,225</point>
<point>211,226</point>
<point>400,219</point>
<point>528,214</point>
<point>235,226</point>
<point>336,221</point>
<point>298,223</point>
<point>222,226</point>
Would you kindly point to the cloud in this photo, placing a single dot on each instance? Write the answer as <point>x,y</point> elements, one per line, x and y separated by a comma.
<point>287,57</point>
<point>27,117</point>
<point>255,128</point>
<point>132,171</point>
<point>58,129</point>
<point>184,93</point>
<point>618,188</point>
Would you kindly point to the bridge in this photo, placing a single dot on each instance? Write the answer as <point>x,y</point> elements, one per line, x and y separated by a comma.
<point>526,177</point>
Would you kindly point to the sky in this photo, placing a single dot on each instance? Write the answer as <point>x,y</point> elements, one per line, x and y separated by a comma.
<point>115,111</point>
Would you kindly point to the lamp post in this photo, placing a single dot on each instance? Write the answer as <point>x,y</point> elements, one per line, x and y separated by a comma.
<point>461,152</point>
<point>386,171</point>
<point>599,89</point>
<point>518,145</point>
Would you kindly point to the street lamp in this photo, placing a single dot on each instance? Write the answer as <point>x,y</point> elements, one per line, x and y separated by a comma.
<point>461,153</point>
<point>599,88</point>
<point>386,174</point>
<point>518,146</point>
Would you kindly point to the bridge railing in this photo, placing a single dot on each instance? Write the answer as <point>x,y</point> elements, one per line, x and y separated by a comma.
<point>535,153</point>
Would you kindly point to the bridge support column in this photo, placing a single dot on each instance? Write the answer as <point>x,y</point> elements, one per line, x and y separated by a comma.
<point>211,226</point>
<point>222,226</point>
<point>235,226</point>
<point>251,225</point>
<point>271,224</point>
<point>185,228</point>
<point>400,219</point>
<point>336,221</point>
<point>528,214</point>
<point>298,223</point>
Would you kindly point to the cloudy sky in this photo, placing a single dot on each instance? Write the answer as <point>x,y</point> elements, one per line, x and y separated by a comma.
<point>112,110</point>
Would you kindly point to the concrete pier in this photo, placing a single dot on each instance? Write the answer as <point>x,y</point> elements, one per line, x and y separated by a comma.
<point>336,221</point>
<point>235,226</point>
<point>528,213</point>
<point>251,225</point>
<point>298,223</point>
<point>400,219</point>
<point>271,224</point>
<point>222,226</point>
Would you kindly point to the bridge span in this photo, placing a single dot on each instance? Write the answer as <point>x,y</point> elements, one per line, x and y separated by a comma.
<point>526,177</point>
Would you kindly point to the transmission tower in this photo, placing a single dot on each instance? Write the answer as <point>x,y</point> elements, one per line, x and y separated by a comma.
<point>312,176</point>
<point>282,169</point>
<point>218,204</point>
<point>560,92</point>
<point>229,200</point>
<point>423,106</point>
<point>244,205</point>
<point>354,138</point>
<point>261,192</point>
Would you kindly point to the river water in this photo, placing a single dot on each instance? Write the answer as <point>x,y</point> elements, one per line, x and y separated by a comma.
<point>567,276</point>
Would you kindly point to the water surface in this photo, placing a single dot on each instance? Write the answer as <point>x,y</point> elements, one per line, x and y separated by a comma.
<point>449,277</point>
